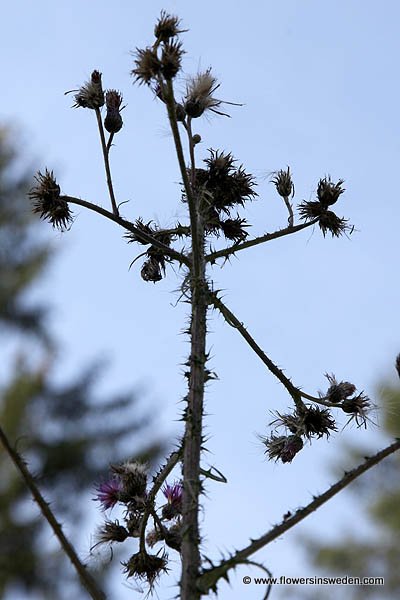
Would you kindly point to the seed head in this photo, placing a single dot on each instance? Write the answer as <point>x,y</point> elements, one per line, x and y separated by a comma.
<point>171,59</point>
<point>167,27</point>
<point>338,391</point>
<point>199,95</point>
<point>283,183</point>
<point>153,537</point>
<point>46,201</point>
<point>91,94</point>
<point>110,532</point>
<point>133,477</point>
<point>148,66</point>
<point>358,407</point>
<point>327,220</point>
<point>283,448</point>
<point>328,192</point>
<point>234,229</point>
<point>113,120</point>
<point>146,567</point>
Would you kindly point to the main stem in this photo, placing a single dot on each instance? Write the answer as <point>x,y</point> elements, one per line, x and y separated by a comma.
<point>193,433</point>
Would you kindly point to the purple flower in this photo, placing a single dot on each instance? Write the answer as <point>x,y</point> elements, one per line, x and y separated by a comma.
<point>109,492</point>
<point>173,493</point>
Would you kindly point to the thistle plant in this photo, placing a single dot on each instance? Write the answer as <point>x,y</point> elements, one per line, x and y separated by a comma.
<point>159,514</point>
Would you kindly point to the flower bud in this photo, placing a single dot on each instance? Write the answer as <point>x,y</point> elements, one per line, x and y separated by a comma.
<point>91,94</point>
<point>283,183</point>
<point>113,121</point>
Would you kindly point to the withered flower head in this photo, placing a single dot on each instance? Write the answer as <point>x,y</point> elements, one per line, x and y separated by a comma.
<point>45,196</point>
<point>283,183</point>
<point>153,269</point>
<point>358,407</point>
<point>173,536</point>
<point>113,120</point>
<point>234,229</point>
<point>171,59</point>
<point>146,567</point>
<point>154,536</point>
<point>133,477</point>
<point>307,421</point>
<point>283,448</point>
<point>327,220</point>
<point>199,95</point>
<point>148,65</point>
<point>167,27</point>
<point>338,391</point>
<point>328,192</point>
<point>91,94</point>
<point>110,532</point>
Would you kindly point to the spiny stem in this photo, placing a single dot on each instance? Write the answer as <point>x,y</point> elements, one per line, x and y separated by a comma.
<point>225,252</point>
<point>210,577</point>
<point>106,149</point>
<point>87,581</point>
<point>290,211</point>
<point>129,227</point>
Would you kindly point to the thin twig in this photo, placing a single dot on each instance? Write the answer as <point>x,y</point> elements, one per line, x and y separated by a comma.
<point>210,577</point>
<point>159,479</point>
<point>106,162</point>
<point>225,252</point>
<point>290,211</point>
<point>86,579</point>
<point>130,227</point>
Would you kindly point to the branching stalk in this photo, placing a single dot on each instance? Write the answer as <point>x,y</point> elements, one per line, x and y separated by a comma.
<point>210,577</point>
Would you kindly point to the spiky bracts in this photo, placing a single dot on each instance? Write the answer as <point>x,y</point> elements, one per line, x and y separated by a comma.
<point>46,200</point>
<point>328,193</point>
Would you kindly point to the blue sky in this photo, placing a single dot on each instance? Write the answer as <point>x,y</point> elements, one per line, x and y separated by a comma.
<point>320,90</point>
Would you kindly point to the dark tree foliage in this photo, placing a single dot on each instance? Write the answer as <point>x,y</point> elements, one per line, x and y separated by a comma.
<point>66,432</point>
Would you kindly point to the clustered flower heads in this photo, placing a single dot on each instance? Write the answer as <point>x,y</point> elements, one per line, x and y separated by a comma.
<point>343,395</point>
<point>46,200</point>
<point>127,487</point>
<point>223,187</point>
<point>328,193</point>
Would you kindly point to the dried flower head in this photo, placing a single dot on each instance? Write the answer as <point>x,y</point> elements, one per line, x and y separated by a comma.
<point>113,120</point>
<point>199,95</point>
<point>307,421</point>
<point>154,536</point>
<point>167,27</point>
<point>283,183</point>
<point>148,65</point>
<point>327,220</point>
<point>45,196</point>
<point>171,59</point>
<point>152,270</point>
<point>337,392</point>
<point>91,94</point>
<point>358,407</point>
<point>328,192</point>
<point>133,477</point>
<point>283,448</point>
<point>109,492</point>
<point>234,229</point>
<point>173,536</point>
<point>111,531</point>
<point>146,567</point>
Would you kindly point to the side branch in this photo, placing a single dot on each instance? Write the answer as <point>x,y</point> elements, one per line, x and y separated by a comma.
<point>158,480</point>
<point>106,149</point>
<point>209,578</point>
<point>88,582</point>
<point>258,240</point>
<point>178,256</point>
<point>234,322</point>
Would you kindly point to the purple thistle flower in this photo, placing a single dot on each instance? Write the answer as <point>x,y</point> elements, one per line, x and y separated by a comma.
<point>109,492</point>
<point>173,493</point>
